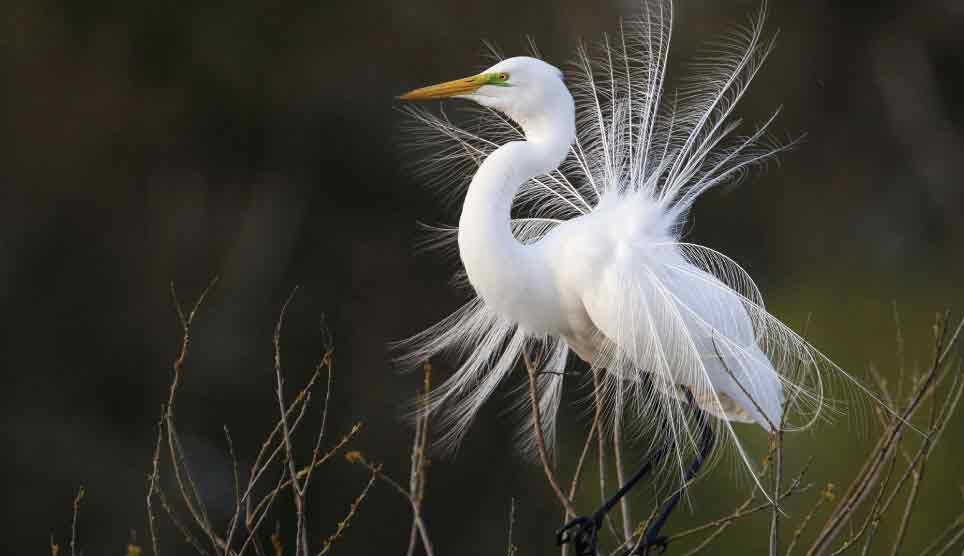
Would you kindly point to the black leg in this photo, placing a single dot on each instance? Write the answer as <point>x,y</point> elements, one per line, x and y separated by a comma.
<point>583,532</point>
<point>707,440</point>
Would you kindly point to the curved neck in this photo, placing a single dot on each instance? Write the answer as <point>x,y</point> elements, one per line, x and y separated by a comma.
<point>499,267</point>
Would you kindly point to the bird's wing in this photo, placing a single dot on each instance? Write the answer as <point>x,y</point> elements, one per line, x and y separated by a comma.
<point>665,316</point>
<point>680,324</point>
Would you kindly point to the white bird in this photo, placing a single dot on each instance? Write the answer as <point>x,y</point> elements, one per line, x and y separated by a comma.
<point>571,236</point>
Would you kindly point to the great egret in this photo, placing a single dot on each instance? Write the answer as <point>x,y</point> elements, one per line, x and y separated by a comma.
<point>571,236</point>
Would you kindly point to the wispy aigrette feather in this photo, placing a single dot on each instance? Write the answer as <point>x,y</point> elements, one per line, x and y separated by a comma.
<point>685,314</point>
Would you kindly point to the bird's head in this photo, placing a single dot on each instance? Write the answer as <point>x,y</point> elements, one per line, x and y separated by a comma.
<point>523,88</point>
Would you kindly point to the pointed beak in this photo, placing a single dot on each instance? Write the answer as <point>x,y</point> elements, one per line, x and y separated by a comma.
<point>464,86</point>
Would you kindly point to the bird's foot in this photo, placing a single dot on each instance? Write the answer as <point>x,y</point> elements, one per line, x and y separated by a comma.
<point>651,545</point>
<point>583,533</point>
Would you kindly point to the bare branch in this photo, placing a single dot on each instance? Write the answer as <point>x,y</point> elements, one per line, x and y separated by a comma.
<point>947,538</point>
<point>357,457</point>
<point>512,548</point>
<point>601,447</point>
<point>417,472</point>
<point>794,488</point>
<point>719,530</point>
<point>326,362</point>
<point>185,531</point>
<point>540,439</point>
<point>73,522</point>
<point>870,474</point>
<point>237,492</point>
<point>152,488</point>
<point>285,482</point>
<point>777,439</point>
<point>344,523</point>
<point>297,491</point>
<point>620,476</point>
<point>188,489</point>
<point>826,495</point>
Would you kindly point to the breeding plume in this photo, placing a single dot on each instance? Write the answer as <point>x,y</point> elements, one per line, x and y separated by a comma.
<point>572,239</point>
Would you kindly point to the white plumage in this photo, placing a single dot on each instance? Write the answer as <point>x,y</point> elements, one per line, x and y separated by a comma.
<point>571,236</point>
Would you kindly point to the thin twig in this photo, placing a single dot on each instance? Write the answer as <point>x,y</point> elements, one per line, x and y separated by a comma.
<point>935,431</point>
<point>326,362</point>
<point>511,549</point>
<point>777,477</point>
<point>601,447</point>
<point>719,530</point>
<point>256,522</point>
<point>794,488</point>
<point>344,523</point>
<point>639,533</point>
<point>540,439</point>
<point>237,493</point>
<point>957,524</point>
<point>950,544</point>
<point>918,473</point>
<point>417,472</point>
<point>577,474</point>
<point>870,474</point>
<point>746,504</point>
<point>285,482</point>
<point>152,488</point>
<point>297,492</point>
<point>73,522</point>
<point>873,516</point>
<point>357,457</point>
<point>259,467</point>
<point>186,486</point>
<point>620,476</point>
<point>185,531</point>
<point>826,495</point>
<point>188,490</point>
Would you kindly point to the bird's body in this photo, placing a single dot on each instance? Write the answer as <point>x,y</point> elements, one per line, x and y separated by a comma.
<point>571,237</point>
<point>571,282</point>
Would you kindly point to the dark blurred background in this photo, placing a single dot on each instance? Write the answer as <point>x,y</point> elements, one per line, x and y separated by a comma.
<point>149,142</point>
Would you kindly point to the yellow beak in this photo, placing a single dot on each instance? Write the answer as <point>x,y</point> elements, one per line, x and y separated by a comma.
<point>463,86</point>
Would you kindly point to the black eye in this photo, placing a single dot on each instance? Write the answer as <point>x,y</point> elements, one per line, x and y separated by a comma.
<point>503,77</point>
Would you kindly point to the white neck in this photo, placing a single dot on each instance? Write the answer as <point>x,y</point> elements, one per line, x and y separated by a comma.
<point>503,271</point>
